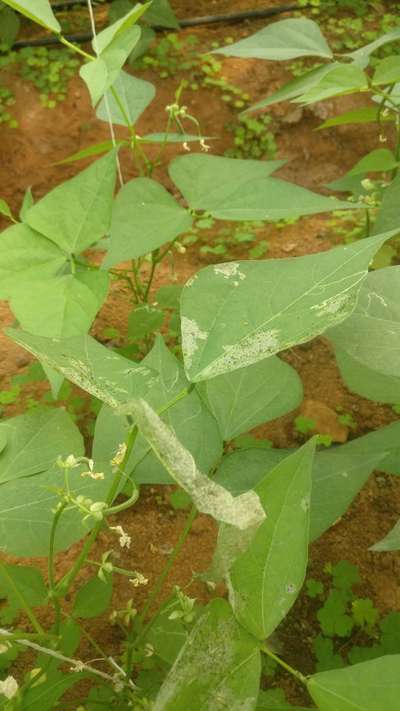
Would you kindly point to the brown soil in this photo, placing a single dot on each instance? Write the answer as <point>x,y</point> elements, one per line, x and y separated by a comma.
<point>29,157</point>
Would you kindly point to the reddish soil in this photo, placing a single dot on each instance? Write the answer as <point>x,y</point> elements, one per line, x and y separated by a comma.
<point>29,157</point>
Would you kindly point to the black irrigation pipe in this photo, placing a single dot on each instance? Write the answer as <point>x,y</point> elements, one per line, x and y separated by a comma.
<point>190,22</point>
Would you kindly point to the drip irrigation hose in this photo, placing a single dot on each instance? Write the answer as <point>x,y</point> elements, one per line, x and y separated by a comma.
<point>190,22</point>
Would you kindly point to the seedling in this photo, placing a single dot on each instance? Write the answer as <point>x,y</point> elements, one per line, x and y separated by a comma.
<point>351,628</point>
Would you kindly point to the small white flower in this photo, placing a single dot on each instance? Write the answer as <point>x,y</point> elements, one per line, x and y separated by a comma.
<point>139,579</point>
<point>97,510</point>
<point>9,687</point>
<point>148,650</point>
<point>119,455</point>
<point>124,539</point>
<point>367,184</point>
<point>69,463</point>
<point>382,138</point>
<point>78,667</point>
<point>203,145</point>
<point>118,684</point>
<point>93,475</point>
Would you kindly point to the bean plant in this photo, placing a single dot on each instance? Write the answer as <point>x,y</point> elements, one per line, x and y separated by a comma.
<point>166,419</point>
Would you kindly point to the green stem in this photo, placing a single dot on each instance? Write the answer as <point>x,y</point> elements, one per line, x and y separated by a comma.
<point>154,263</point>
<point>160,582</point>
<point>397,149</point>
<point>125,504</point>
<point>15,636</point>
<point>66,582</point>
<point>367,223</point>
<point>284,665</point>
<point>23,602</point>
<point>50,564</point>
<point>75,48</point>
<point>113,664</point>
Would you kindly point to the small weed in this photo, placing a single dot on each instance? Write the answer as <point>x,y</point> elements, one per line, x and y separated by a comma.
<point>306,426</point>
<point>252,138</point>
<point>351,629</point>
<point>226,241</point>
<point>346,419</point>
<point>49,70</point>
<point>7,99</point>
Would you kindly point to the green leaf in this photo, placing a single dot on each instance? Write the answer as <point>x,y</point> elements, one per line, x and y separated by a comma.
<point>384,257</point>
<point>251,396</point>
<point>189,418</point>
<point>25,259</point>
<point>367,382</point>
<point>367,114</point>
<point>210,498</point>
<point>237,313</point>
<point>35,440</point>
<point>343,79</point>
<point>219,666</point>
<point>37,10</point>
<point>134,94</point>
<point>112,36</point>
<point>361,56</point>
<point>94,150</point>
<point>145,216</point>
<point>248,441</point>
<point>96,77</point>
<point>101,73</point>
<point>333,616</point>
<point>345,575</point>
<point>357,654</point>
<point>45,697</point>
<point>387,71</point>
<point>28,581</point>
<point>338,475</point>
<point>371,336</point>
<point>27,202</point>
<point>167,637</point>
<point>265,580</point>
<point>314,588</point>
<point>173,138</point>
<point>144,320</point>
<point>282,40</point>
<point>391,542</point>
<point>9,26</point>
<point>93,367</point>
<point>77,213</point>
<point>381,159</point>
<point>27,510</point>
<point>364,612</point>
<point>60,307</point>
<point>275,700</point>
<point>326,656</point>
<point>390,633</point>
<point>371,686</point>
<point>161,14</point>
<point>3,438</point>
<point>5,209</point>
<point>243,189</point>
<point>295,87</point>
<point>389,214</point>
<point>93,598</point>
<point>168,296</point>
